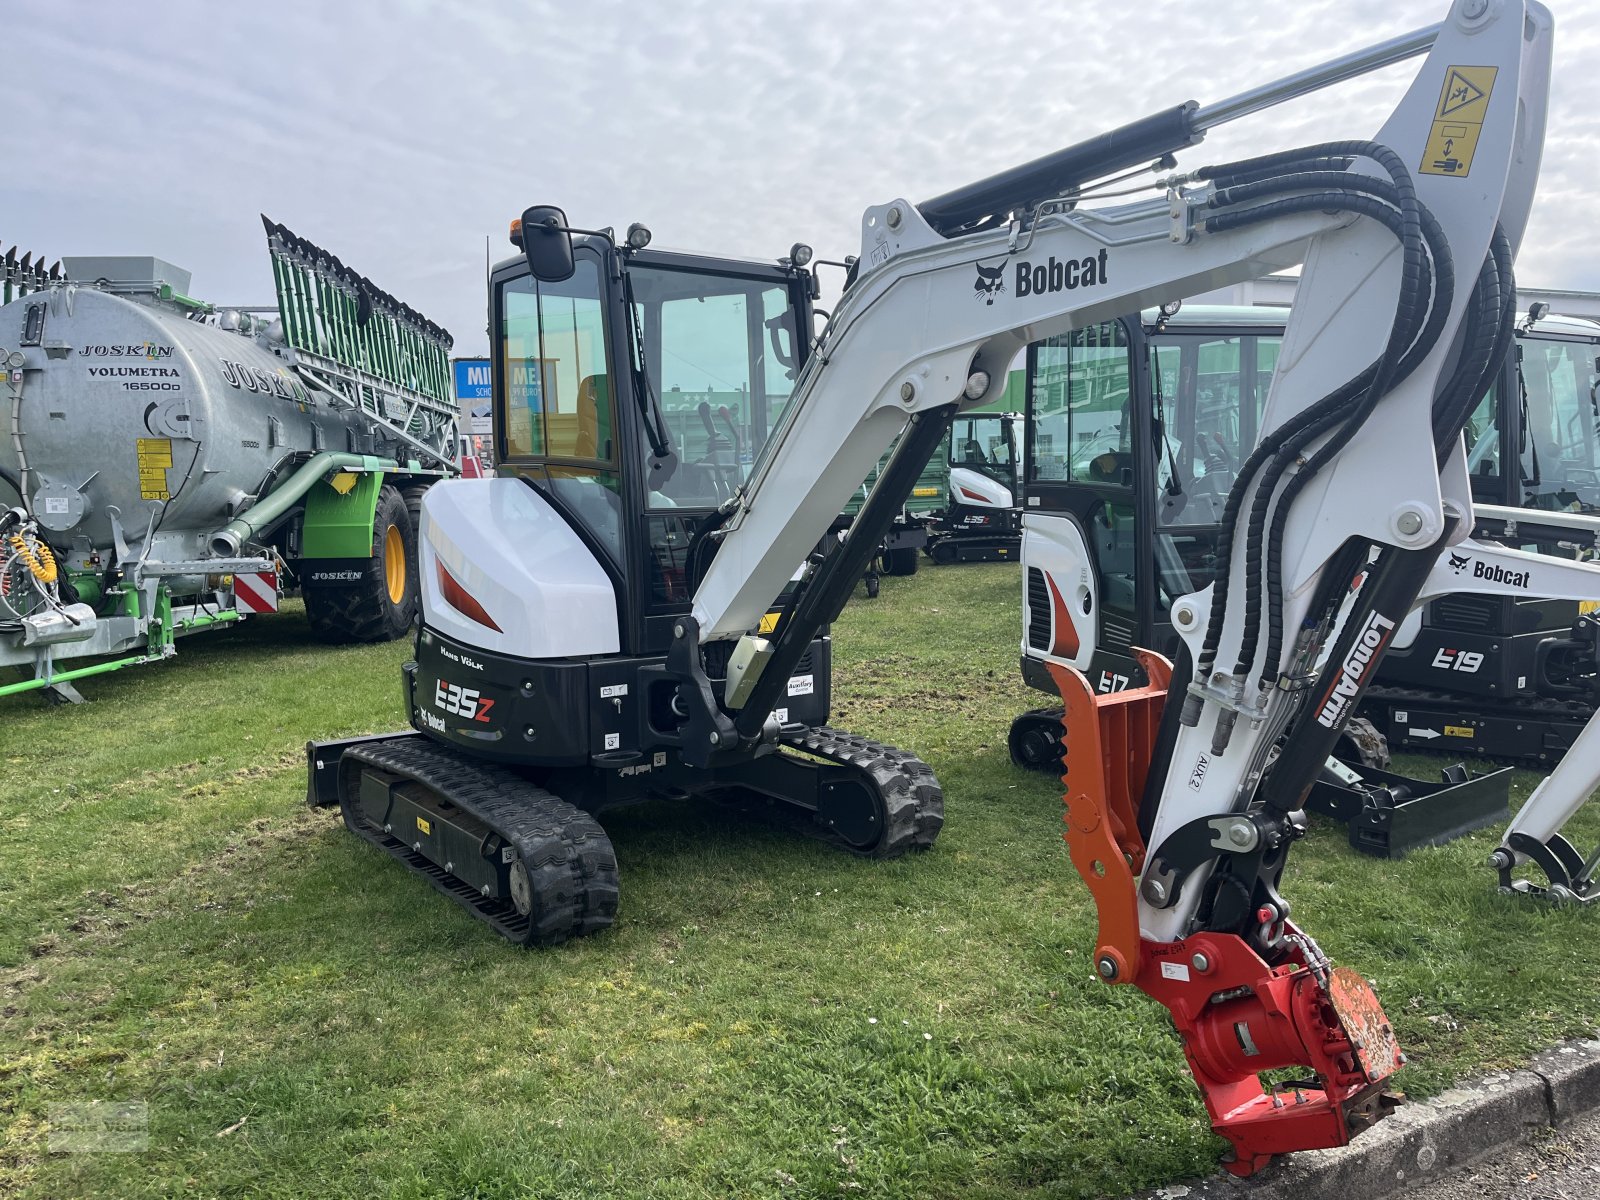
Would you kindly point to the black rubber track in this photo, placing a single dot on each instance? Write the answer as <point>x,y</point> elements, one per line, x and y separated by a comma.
<point>912,800</point>
<point>1380,696</point>
<point>569,860</point>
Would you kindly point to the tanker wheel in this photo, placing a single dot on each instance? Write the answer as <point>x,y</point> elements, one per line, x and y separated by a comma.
<point>381,605</point>
<point>900,561</point>
<point>413,494</point>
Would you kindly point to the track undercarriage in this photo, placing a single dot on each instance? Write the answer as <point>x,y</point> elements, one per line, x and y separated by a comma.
<point>509,846</point>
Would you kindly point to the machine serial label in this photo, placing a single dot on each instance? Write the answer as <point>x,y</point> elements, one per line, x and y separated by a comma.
<point>1172,970</point>
<point>1458,121</point>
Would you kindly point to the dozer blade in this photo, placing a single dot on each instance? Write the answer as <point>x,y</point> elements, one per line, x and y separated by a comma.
<point>1388,814</point>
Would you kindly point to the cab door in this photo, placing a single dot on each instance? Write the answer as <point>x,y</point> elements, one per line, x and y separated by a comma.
<point>1085,538</point>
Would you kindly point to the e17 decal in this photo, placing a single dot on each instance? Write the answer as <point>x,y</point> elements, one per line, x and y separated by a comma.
<point>1467,661</point>
<point>461,702</point>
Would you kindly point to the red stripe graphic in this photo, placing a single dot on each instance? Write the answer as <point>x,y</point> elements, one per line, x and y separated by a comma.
<point>256,592</point>
<point>1066,634</point>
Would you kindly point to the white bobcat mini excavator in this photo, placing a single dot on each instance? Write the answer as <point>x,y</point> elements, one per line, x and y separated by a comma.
<point>608,620</point>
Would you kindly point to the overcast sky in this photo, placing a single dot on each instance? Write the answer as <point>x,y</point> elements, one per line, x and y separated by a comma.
<point>400,134</point>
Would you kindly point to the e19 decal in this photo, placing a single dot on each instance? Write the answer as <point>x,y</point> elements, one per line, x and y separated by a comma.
<point>1467,661</point>
<point>461,702</point>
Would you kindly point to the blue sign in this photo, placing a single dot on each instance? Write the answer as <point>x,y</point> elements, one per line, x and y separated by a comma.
<point>472,380</point>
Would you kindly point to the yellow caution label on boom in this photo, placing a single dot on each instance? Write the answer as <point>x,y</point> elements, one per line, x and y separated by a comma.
<point>1458,121</point>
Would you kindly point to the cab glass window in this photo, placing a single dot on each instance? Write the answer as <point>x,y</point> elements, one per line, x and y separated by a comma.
<point>1081,429</point>
<point>722,353</point>
<point>1561,424</point>
<point>557,406</point>
<point>1209,394</point>
<point>557,396</point>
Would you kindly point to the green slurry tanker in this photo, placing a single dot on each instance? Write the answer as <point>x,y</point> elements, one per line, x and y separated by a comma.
<point>167,466</point>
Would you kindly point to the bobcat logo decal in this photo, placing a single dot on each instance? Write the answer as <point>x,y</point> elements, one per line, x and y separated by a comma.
<point>991,281</point>
<point>1458,562</point>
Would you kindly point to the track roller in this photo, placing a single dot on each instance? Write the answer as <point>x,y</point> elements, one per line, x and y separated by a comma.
<point>537,869</point>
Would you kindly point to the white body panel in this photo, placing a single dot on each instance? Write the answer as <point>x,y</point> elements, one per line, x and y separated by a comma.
<point>1054,545</point>
<point>514,554</point>
<point>910,332</point>
<point>976,490</point>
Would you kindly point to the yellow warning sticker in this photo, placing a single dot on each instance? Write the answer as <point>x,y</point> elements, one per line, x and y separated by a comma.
<point>768,623</point>
<point>1458,121</point>
<point>155,458</point>
<point>1588,606</point>
<point>1457,731</point>
<point>422,824</point>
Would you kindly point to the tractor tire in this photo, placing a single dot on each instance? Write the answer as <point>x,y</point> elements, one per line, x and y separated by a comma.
<point>900,561</point>
<point>381,605</point>
<point>413,493</point>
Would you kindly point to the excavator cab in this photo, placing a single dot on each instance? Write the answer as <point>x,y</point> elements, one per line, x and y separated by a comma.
<point>634,395</point>
<point>1135,430</point>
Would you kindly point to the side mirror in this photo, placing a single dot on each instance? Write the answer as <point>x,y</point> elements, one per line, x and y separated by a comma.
<point>546,243</point>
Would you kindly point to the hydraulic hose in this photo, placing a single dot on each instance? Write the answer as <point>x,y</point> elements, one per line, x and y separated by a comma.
<point>268,511</point>
<point>1441,286</point>
<point>1418,322</point>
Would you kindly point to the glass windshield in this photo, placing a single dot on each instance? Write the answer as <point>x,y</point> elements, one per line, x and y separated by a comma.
<point>558,416</point>
<point>721,353</point>
<point>1561,424</point>
<point>982,442</point>
<point>1080,430</point>
<point>1209,393</point>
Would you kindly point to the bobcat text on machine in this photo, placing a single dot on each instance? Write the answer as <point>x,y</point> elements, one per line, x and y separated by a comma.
<point>606,620</point>
<point>176,463</point>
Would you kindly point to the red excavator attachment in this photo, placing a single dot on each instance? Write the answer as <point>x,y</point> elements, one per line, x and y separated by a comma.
<point>1237,1016</point>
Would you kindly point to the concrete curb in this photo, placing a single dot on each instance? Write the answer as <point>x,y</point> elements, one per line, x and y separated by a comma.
<point>1421,1142</point>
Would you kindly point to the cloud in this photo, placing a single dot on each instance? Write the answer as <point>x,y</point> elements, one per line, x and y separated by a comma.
<point>402,135</point>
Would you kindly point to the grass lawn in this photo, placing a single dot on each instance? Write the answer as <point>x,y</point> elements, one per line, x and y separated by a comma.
<point>768,1017</point>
